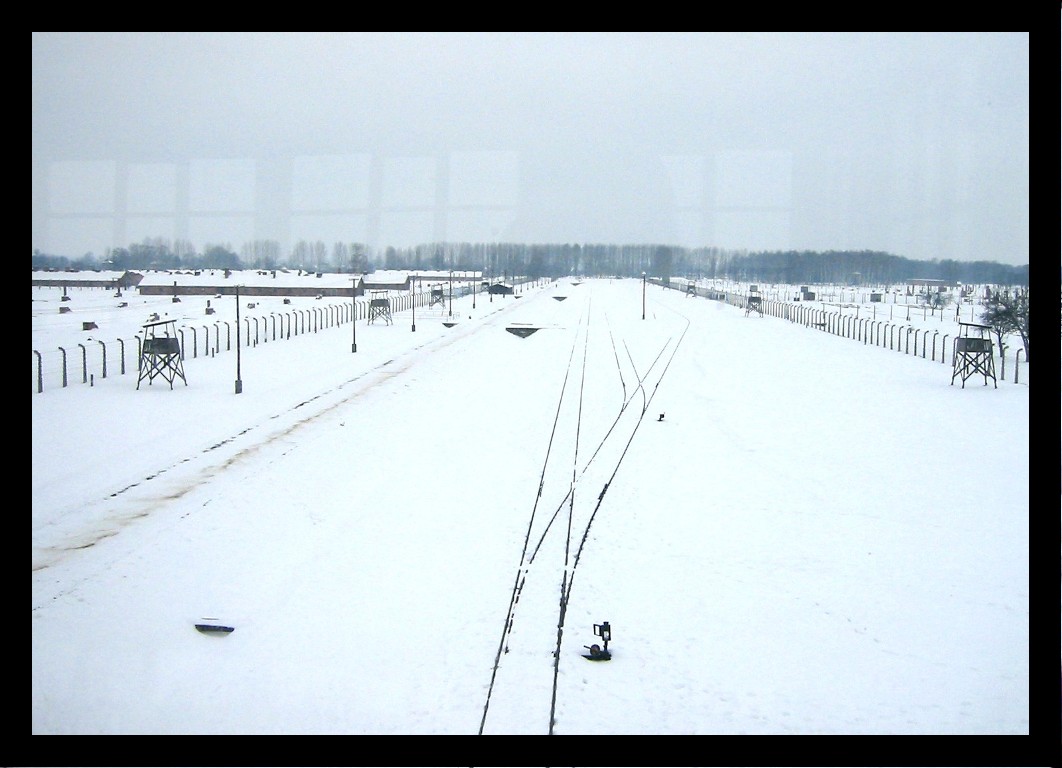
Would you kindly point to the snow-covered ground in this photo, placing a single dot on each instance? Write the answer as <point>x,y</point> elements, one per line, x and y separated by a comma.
<point>811,540</point>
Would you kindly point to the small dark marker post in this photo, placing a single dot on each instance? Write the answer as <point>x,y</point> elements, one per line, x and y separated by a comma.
<point>239,381</point>
<point>354,314</point>
<point>414,284</point>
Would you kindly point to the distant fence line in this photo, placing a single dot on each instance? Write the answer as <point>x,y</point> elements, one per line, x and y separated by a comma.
<point>869,330</point>
<point>83,362</point>
<point>94,358</point>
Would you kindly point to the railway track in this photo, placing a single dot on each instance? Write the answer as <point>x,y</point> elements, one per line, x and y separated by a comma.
<point>583,457</point>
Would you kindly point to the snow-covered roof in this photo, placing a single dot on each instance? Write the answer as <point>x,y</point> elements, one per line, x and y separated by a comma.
<point>422,275</point>
<point>385,277</point>
<point>246,277</point>
<point>435,274</point>
<point>76,277</point>
<point>263,277</point>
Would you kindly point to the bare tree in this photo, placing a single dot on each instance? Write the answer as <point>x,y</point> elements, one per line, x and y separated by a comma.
<point>1008,312</point>
<point>340,255</point>
<point>359,262</point>
<point>320,256</point>
<point>300,254</point>
<point>262,254</point>
<point>183,249</point>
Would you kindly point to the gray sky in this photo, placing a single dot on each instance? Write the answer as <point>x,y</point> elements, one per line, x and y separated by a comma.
<point>915,144</point>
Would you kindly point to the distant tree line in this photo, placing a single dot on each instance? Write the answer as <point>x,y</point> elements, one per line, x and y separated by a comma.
<point>503,260</point>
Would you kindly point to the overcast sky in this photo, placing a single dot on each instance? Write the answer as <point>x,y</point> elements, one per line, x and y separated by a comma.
<point>914,144</point>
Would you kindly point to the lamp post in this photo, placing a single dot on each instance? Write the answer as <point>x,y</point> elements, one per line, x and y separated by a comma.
<point>474,281</point>
<point>451,311</point>
<point>354,314</point>
<point>414,284</point>
<point>643,295</point>
<point>239,381</point>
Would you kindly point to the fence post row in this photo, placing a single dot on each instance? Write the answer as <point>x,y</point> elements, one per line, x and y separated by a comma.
<point>855,327</point>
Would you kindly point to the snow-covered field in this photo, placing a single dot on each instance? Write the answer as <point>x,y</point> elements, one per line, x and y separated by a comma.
<point>807,542</point>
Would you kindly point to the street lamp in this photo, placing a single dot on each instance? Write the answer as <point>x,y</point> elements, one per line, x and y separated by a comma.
<point>451,314</point>
<point>643,295</point>
<point>414,285</point>
<point>354,314</point>
<point>239,381</point>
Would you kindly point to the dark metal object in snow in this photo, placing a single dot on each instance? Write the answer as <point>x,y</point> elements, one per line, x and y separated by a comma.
<point>560,298</point>
<point>522,331</point>
<point>214,628</point>
<point>597,653</point>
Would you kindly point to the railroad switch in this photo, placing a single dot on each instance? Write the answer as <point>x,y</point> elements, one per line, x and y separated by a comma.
<point>597,653</point>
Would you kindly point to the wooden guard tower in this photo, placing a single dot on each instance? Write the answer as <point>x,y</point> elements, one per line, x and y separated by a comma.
<point>973,354</point>
<point>437,296</point>
<point>379,306</point>
<point>160,354</point>
<point>754,303</point>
